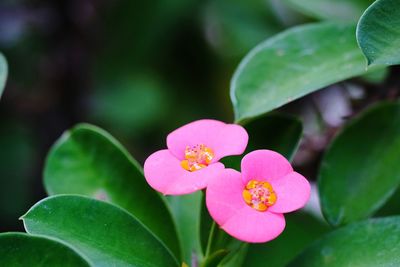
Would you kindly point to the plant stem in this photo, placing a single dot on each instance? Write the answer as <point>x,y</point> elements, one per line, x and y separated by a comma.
<point>210,239</point>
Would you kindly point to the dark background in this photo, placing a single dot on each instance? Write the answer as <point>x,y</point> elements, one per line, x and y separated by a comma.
<point>140,69</point>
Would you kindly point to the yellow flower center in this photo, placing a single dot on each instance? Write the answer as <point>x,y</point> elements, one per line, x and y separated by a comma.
<point>259,195</point>
<point>197,157</point>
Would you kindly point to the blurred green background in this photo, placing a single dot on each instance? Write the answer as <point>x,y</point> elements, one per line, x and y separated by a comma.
<point>140,69</point>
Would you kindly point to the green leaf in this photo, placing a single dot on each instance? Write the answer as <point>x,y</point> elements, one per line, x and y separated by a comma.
<point>300,231</point>
<point>391,206</point>
<point>292,64</point>
<point>214,259</point>
<point>378,32</point>
<point>369,244</point>
<point>206,222</point>
<point>218,240</point>
<point>339,10</point>
<point>235,257</point>
<point>19,249</point>
<point>3,73</point>
<point>186,212</point>
<point>87,160</point>
<point>278,132</point>
<point>106,234</point>
<point>361,169</point>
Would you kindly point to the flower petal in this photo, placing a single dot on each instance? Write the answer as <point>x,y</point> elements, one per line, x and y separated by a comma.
<point>293,192</point>
<point>164,173</point>
<point>264,165</point>
<point>227,207</point>
<point>253,226</point>
<point>224,196</point>
<point>224,139</point>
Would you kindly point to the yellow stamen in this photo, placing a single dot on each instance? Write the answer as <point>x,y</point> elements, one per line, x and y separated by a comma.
<point>247,196</point>
<point>259,195</point>
<point>197,157</point>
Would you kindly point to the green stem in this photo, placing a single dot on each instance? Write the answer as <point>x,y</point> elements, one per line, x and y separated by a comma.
<point>210,239</point>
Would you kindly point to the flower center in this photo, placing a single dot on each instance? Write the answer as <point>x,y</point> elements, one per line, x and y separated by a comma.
<point>259,195</point>
<point>197,157</point>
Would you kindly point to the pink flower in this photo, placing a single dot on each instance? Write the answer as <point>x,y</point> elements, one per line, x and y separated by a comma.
<point>249,205</point>
<point>191,159</point>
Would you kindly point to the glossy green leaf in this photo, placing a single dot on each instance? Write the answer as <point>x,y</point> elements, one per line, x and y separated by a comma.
<point>278,132</point>
<point>361,169</point>
<point>378,32</point>
<point>104,233</point>
<point>292,64</point>
<point>3,73</point>
<point>19,249</point>
<point>87,160</point>
<point>300,231</point>
<point>368,244</point>
<point>340,10</point>
<point>186,212</point>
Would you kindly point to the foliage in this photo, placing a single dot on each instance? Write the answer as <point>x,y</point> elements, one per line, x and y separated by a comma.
<point>101,212</point>
<point>378,33</point>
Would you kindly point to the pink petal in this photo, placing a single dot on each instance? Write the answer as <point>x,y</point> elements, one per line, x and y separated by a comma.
<point>224,139</point>
<point>264,165</point>
<point>225,203</point>
<point>254,226</point>
<point>293,192</point>
<point>224,195</point>
<point>164,173</point>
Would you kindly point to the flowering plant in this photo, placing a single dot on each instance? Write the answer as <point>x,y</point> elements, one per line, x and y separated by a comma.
<point>219,194</point>
<point>249,205</point>
<point>192,157</point>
